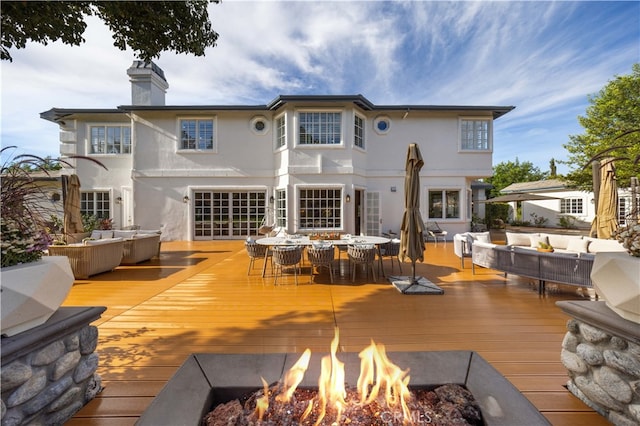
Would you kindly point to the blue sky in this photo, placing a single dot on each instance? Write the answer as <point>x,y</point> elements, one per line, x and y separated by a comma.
<point>545,58</point>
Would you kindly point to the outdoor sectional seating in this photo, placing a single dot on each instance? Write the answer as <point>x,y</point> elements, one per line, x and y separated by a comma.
<point>139,246</point>
<point>91,257</point>
<point>570,263</point>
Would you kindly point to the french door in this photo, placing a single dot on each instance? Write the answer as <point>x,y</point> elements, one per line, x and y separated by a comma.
<point>227,214</point>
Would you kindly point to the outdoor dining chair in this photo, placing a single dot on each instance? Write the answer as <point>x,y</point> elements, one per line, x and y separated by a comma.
<point>258,251</point>
<point>321,257</point>
<point>285,257</point>
<point>364,254</point>
<point>391,250</point>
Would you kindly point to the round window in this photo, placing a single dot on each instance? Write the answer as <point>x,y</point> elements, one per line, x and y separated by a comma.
<point>259,125</point>
<point>382,124</point>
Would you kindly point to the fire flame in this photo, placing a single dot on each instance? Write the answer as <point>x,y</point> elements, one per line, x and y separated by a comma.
<point>377,375</point>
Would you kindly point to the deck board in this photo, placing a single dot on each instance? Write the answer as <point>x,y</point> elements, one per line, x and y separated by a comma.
<point>197,298</point>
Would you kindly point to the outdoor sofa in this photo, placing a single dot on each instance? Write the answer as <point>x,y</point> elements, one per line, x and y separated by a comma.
<point>92,256</point>
<point>139,246</point>
<point>570,263</point>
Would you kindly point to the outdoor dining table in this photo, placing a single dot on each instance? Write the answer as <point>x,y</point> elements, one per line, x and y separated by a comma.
<point>303,240</point>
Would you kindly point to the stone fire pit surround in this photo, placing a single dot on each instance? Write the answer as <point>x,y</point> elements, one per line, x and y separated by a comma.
<point>206,380</point>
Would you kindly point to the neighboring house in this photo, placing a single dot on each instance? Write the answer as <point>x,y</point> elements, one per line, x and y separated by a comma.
<point>565,202</point>
<point>307,163</point>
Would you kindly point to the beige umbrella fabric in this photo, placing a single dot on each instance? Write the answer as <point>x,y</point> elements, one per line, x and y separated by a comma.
<point>412,228</point>
<point>606,222</point>
<point>72,215</point>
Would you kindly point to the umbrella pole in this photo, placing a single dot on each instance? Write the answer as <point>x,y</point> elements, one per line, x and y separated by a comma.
<point>412,279</point>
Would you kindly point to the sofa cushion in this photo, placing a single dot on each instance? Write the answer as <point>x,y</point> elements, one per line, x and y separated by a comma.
<point>578,245</point>
<point>560,241</point>
<point>101,242</point>
<point>517,239</point>
<point>124,234</point>
<point>598,244</point>
<point>98,234</point>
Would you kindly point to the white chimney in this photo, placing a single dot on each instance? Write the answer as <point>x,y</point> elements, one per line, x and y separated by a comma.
<point>148,85</point>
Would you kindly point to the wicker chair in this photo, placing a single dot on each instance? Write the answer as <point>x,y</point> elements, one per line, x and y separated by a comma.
<point>258,251</point>
<point>362,255</point>
<point>391,250</point>
<point>319,257</point>
<point>286,256</point>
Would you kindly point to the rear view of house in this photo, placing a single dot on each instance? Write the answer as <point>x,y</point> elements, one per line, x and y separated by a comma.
<point>311,163</point>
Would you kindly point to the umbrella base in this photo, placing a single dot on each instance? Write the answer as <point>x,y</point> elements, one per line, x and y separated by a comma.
<point>414,285</point>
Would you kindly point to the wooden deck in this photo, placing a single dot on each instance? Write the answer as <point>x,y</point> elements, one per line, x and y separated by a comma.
<point>197,297</point>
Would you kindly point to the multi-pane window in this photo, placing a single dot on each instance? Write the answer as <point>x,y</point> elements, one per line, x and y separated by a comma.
<point>444,204</point>
<point>320,208</point>
<point>358,131</point>
<point>281,207</point>
<point>95,203</point>
<point>281,131</point>
<point>196,134</point>
<point>320,128</point>
<point>571,206</point>
<point>474,134</point>
<point>110,140</point>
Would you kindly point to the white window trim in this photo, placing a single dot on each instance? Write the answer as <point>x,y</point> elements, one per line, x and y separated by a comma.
<point>89,125</point>
<point>364,131</point>
<point>379,119</point>
<point>255,120</point>
<point>275,132</point>
<point>179,149</point>
<point>296,203</point>
<point>489,134</point>
<point>565,199</point>
<point>461,203</point>
<point>341,111</point>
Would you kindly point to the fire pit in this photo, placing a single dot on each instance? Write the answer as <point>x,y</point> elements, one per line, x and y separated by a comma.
<point>207,380</point>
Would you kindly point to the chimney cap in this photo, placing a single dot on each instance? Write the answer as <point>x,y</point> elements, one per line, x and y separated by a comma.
<point>149,65</point>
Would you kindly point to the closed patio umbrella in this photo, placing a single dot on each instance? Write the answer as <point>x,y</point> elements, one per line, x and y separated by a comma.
<point>606,222</point>
<point>71,204</point>
<point>412,229</point>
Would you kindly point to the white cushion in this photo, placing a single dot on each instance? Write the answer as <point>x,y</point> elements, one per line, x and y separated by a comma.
<point>536,239</point>
<point>578,245</point>
<point>516,239</point>
<point>560,241</point>
<point>95,234</point>
<point>599,244</point>
<point>124,234</point>
<point>102,241</point>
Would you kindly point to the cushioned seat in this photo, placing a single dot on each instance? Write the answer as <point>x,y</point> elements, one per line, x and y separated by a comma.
<point>258,251</point>
<point>286,256</point>
<point>391,250</point>
<point>364,254</point>
<point>321,256</point>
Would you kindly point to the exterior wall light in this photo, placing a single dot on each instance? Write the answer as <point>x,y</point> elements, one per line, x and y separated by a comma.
<point>348,198</point>
<point>271,200</point>
<point>118,200</point>
<point>185,199</point>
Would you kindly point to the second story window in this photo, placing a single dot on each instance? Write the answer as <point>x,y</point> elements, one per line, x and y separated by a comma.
<point>474,134</point>
<point>320,128</point>
<point>197,134</point>
<point>358,131</point>
<point>281,132</point>
<point>110,140</point>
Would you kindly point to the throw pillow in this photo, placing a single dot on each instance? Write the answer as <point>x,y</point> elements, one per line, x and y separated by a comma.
<point>516,239</point>
<point>483,237</point>
<point>578,245</point>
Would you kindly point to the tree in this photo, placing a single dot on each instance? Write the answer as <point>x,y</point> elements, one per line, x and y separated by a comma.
<point>612,124</point>
<point>506,173</point>
<point>147,27</point>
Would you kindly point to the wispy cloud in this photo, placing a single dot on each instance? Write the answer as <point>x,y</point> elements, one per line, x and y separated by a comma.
<point>543,57</point>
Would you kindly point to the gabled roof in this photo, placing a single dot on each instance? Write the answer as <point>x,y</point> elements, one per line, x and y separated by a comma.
<point>536,186</point>
<point>57,114</point>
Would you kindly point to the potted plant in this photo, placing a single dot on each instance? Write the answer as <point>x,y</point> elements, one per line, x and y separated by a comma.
<point>32,285</point>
